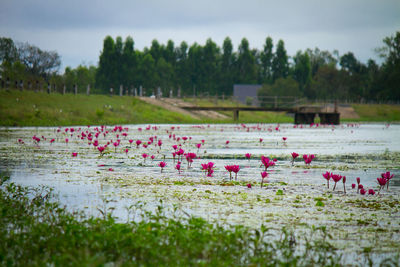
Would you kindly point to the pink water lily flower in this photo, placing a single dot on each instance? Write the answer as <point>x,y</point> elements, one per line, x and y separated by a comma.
<point>336,178</point>
<point>382,182</point>
<point>235,169</point>
<point>248,156</point>
<point>294,156</point>
<point>267,162</point>
<point>308,158</point>
<point>178,167</point>
<point>162,165</point>
<point>327,176</point>
<point>388,176</point>
<point>264,174</point>
<point>229,169</point>
<point>371,192</point>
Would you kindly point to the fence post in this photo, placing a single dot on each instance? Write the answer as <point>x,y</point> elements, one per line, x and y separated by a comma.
<point>7,83</point>
<point>75,89</point>
<point>121,88</point>
<point>88,89</point>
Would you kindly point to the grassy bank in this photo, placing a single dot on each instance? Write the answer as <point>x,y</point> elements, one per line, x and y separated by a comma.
<point>36,231</point>
<point>40,109</point>
<point>377,112</point>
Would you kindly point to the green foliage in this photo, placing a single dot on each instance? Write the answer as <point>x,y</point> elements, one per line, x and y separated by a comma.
<point>280,64</point>
<point>36,231</point>
<point>266,61</point>
<point>210,70</point>
<point>302,71</point>
<point>387,86</point>
<point>281,87</point>
<point>246,70</point>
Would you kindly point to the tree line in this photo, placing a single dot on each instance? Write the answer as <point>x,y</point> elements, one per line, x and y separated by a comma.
<point>212,70</point>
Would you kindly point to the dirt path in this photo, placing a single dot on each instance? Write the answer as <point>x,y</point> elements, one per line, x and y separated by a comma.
<point>174,104</point>
<point>346,111</point>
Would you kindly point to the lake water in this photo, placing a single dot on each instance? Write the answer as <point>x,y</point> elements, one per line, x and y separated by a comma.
<point>119,179</point>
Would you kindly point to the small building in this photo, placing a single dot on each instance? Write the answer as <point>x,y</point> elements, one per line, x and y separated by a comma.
<point>246,93</point>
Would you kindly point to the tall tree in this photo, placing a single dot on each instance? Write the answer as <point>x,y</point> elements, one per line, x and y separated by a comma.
<point>148,75</point>
<point>266,60</point>
<point>8,50</point>
<point>129,63</point>
<point>38,62</point>
<point>302,71</point>
<point>246,67</point>
<point>182,68</point>
<point>390,75</point>
<point>195,57</point>
<point>349,63</point>
<point>320,58</point>
<point>227,67</point>
<point>210,75</point>
<point>106,76</point>
<point>280,64</point>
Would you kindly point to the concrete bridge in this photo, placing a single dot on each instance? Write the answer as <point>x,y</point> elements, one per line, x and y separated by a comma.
<point>302,114</point>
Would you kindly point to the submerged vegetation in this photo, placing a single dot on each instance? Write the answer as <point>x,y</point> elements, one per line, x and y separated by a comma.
<point>37,231</point>
<point>223,201</point>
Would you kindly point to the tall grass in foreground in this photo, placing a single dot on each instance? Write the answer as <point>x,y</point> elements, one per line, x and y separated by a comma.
<point>36,231</point>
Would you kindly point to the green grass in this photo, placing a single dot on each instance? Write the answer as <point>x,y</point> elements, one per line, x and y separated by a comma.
<point>40,109</point>
<point>377,112</point>
<point>36,231</point>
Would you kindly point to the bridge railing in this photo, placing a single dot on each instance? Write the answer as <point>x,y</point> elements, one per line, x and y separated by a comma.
<point>281,101</point>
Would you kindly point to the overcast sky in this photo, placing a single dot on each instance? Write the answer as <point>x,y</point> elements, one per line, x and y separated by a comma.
<point>76,28</point>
